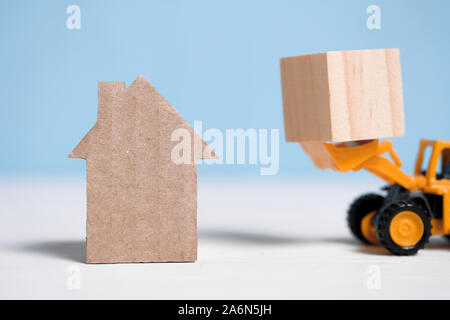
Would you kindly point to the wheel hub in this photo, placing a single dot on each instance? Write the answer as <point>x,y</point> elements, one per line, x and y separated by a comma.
<point>406,229</point>
<point>368,228</point>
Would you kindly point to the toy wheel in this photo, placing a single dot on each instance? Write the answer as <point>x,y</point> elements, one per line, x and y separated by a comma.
<point>360,217</point>
<point>403,228</point>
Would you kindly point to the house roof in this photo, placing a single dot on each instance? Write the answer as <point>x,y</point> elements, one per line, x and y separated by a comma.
<point>113,95</point>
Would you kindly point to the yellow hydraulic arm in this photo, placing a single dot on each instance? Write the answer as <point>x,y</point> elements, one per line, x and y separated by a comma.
<point>362,155</point>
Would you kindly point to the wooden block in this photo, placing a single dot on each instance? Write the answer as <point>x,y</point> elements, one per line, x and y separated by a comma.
<point>319,155</point>
<point>343,95</point>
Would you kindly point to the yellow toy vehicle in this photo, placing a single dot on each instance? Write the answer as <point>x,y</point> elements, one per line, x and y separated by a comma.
<point>415,206</point>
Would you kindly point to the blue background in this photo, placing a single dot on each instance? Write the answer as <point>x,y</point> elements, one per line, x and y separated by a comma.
<point>215,61</point>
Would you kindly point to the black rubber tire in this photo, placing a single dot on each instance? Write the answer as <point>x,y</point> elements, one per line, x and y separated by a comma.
<point>383,224</point>
<point>447,237</point>
<point>362,206</point>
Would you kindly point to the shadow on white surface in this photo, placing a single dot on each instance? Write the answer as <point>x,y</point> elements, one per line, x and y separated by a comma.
<point>248,237</point>
<point>264,239</point>
<point>71,250</point>
<point>436,243</point>
<point>372,250</point>
<point>75,250</point>
<point>341,240</point>
<point>357,245</point>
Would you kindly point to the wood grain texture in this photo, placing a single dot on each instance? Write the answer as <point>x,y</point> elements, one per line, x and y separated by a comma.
<point>319,155</point>
<point>141,207</point>
<point>343,95</point>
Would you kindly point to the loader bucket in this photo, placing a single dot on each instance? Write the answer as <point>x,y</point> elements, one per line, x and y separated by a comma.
<point>342,157</point>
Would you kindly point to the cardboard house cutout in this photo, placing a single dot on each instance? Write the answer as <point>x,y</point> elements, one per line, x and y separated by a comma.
<point>141,206</point>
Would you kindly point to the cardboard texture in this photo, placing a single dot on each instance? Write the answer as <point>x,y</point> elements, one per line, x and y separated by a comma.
<point>141,207</point>
<point>343,96</point>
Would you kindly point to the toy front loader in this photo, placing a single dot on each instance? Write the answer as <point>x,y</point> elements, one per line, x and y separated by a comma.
<point>415,207</point>
<point>355,96</point>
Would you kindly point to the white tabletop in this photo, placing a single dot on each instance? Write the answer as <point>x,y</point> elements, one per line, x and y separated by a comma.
<point>262,238</point>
